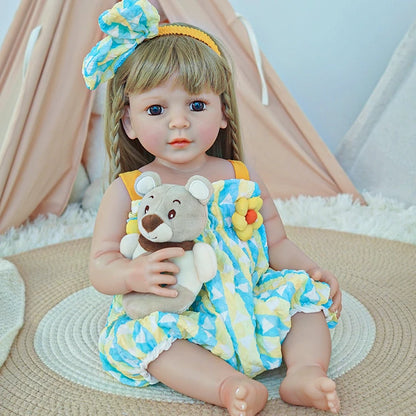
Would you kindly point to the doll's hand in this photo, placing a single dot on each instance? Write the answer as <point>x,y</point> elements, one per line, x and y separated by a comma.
<point>326,276</point>
<point>150,272</point>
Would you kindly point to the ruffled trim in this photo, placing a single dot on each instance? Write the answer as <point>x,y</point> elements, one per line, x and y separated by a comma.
<point>330,317</point>
<point>142,370</point>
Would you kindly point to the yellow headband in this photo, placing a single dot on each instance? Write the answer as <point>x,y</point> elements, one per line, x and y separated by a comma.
<point>175,29</point>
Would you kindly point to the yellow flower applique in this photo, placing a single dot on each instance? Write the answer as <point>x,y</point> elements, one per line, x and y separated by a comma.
<point>247,217</point>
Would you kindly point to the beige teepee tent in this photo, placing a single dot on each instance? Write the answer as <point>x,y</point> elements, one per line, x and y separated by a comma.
<point>45,107</point>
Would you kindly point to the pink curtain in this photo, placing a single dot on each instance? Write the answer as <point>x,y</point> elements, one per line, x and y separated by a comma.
<point>44,113</point>
<point>278,139</point>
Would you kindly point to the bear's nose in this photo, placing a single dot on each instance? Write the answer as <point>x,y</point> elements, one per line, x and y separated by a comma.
<point>151,222</point>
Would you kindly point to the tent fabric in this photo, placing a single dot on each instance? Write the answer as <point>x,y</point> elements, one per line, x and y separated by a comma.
<point>379,151</point>
<point>45,113</point>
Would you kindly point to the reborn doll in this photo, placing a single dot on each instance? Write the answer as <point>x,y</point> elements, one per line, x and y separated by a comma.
<point>171,109</point>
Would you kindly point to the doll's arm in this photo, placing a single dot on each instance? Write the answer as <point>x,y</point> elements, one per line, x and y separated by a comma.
<point>285,254</point>
<point>110,272</point>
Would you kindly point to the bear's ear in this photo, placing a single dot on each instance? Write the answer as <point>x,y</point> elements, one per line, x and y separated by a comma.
<point>146,182</point>
<point>200,188</point>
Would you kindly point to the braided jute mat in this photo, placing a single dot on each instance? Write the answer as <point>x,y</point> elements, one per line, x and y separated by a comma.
<point>375,369</point>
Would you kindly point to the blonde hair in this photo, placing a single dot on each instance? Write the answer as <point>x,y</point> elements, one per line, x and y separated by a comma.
<point>195,66</point>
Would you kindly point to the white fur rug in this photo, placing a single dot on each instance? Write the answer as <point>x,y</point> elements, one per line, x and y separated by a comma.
<point>382,217</point>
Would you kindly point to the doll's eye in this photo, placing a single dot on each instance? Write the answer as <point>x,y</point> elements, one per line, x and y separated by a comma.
<point>171,214</point>
<point>197,106</point>
<point>146,209</point>
<point>155,110</point>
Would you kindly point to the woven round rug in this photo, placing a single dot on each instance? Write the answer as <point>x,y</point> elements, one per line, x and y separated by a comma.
<point>12,306</point>
<point>374,370</point>
<point>67,343</point>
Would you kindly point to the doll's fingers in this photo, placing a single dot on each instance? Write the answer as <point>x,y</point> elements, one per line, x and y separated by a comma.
<point>335,294</point>
<point>167,253</point>
<point>315,273</point>
<point>164,279</point>
<point>166,267</point>
<point>337,304</point>
<point>334,287</point>
<point>164,291</point>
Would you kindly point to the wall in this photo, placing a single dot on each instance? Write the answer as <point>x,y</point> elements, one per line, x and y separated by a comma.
<point>8,9</point>
<point>330,54</point>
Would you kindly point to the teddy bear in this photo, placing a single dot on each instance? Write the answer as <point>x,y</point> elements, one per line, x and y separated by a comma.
<point>169,216</point>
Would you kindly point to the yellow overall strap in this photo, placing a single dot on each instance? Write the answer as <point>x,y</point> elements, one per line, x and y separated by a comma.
<point>128,179</point>
<point>240,169</point>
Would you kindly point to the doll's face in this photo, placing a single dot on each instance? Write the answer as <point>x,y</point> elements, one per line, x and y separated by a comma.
<point>173,125</point>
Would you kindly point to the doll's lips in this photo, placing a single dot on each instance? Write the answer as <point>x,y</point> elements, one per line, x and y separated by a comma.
<point>180,142</point>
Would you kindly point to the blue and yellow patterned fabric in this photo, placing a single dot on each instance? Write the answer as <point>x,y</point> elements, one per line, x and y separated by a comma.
<point>242,315</point>
<point>127,24</point>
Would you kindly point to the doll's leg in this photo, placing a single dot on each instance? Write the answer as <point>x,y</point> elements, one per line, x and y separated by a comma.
<point>306,352</point>
<point>196,372</point>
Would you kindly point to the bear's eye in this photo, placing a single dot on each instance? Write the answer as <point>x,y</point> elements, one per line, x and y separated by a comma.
<point>171,214</point>
<point>146,209</point>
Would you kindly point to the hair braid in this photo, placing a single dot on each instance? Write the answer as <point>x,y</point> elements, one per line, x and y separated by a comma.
<point>233,139</point>
<point>236,140</point>
<point>112,134</point>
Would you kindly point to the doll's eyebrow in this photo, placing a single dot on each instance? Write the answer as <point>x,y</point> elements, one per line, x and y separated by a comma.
<point>177,200</point>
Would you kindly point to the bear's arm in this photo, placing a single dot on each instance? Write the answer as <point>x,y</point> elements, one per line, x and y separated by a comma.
<point>205,261</point>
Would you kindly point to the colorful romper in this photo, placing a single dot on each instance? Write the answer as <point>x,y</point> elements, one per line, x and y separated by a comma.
<point>242,315</point>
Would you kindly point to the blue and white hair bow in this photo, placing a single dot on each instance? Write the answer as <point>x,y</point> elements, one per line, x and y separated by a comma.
<point>127,24</point>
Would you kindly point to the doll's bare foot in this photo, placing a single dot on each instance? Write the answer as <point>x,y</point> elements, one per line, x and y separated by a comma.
<point>309,386</point>
<point>243,396</point>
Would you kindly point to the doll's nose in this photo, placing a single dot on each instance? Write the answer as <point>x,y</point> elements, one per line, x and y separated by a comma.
<point>179,121</point>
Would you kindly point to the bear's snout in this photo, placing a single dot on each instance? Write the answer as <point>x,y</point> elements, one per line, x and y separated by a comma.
<point>151,222</point>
